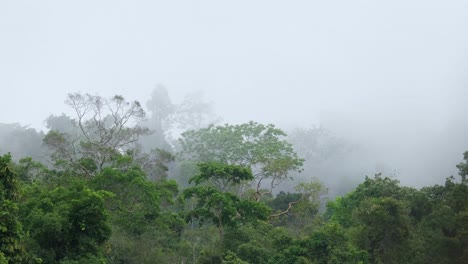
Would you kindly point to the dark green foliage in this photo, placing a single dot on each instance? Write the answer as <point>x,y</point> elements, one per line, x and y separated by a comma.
<point>376,216</point>
<point>11,233</point>
<point>329,244</point>
<point>253,243</point>
<point>395,224</point>
<point>145,230</point>
<point>219,206</point>
<point>342,208</point>
<point>223,209</point>
<point>442,234</point>
<point>463,167</point>
<point>382,229</point>
<point>136,201</point>
<point>222,176</point>
<point>29,170</point>
<point>282,200</point>
<point>66,223</point>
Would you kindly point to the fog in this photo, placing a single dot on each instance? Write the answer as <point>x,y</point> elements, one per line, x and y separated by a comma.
<point>388,78</point>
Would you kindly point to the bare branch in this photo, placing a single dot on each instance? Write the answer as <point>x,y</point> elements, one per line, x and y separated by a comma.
<point>290,205</point>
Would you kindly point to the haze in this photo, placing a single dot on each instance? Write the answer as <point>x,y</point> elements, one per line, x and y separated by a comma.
<point>388,76</point>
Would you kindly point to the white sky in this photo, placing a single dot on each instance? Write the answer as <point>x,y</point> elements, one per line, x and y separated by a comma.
<point>367,69</point>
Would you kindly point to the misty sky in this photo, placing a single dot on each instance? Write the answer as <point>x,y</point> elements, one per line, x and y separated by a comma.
<point>393,73</point>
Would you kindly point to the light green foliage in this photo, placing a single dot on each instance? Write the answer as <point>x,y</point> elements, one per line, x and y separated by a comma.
<point>3,259</point>
<point>246,144</point>
<point>154,164</point>
<point>260,147</point>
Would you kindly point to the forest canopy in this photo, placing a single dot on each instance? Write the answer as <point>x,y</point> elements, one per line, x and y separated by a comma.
<point>114,185</point>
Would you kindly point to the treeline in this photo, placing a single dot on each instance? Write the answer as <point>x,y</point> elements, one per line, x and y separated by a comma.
<point>108,189</point>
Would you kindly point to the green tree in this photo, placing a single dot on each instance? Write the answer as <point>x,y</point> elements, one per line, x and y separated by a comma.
<point>29,170</point>
<point>11,233</point>
<point>341,209</point>
<point>145,227</point>
<point>440,236</point>
<point>259,147</point>
<point>382,229</point>
<point>328,244</point>
<point>221,207</point>
<point>67,222</point>
<point>221,176</point>
<point>137,201</point>
<point>463,168</point>
<point>376,217</point>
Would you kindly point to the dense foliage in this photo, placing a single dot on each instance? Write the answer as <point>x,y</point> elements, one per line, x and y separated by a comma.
<point>107,200</point>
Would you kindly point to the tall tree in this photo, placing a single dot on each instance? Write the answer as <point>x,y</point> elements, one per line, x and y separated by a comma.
<point>195,113</point>
<point>260,147</point>
<point>168,119</point>
<point>107,127</point>
<point>218,205</point>
<point>160,121</point>
<point>463,168</point>
<point>67,221</point>
<point>11,233</point>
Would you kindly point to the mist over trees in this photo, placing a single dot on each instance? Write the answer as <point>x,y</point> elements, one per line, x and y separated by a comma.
<point>115,183</point>
<point>21,141</point>
<point>233,132</point>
